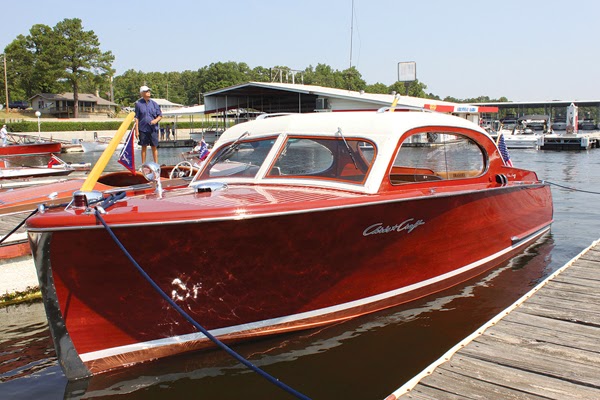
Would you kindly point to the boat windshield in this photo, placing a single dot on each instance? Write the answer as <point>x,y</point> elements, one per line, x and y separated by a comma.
<point>329,158</point>
<point>341,159</point>
<point>239,159</point>
<point>432,156</point>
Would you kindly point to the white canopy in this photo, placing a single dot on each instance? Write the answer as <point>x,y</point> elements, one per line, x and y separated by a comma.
<point>194,110</point>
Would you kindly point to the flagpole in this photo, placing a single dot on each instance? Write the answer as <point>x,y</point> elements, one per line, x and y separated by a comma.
<point>92,178</point>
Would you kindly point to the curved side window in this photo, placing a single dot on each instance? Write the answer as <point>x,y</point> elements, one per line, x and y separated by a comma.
<point>326,158</point>
<point>429,156</point>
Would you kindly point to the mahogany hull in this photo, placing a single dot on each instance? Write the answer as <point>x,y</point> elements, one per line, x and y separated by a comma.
<point>28,149</point>
<point>242,278</point>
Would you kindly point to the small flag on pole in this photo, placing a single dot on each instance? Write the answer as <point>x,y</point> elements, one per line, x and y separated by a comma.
<point>126,158</point>
<point>203,151</point>
<point>504,150</point>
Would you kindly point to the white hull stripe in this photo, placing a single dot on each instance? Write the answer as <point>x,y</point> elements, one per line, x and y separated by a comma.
<point>302,316</point>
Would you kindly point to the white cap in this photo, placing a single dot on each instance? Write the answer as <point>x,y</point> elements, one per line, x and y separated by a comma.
<point>144,89</point>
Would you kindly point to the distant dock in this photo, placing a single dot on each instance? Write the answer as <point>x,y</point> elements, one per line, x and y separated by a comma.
<point>579,141</point>
<point>545,346</point>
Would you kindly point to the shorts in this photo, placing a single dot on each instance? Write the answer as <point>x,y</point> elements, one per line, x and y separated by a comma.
<point>148,139</point>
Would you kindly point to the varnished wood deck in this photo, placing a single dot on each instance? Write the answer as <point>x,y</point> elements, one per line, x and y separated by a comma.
<point>545,346</point>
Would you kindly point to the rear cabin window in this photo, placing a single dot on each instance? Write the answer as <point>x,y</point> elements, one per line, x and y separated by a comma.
<point>429,156</point>
<point>324,158</point>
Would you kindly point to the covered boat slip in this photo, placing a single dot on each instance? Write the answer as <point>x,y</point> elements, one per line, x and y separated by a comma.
<point>543,346</point>
<point>347,221</point>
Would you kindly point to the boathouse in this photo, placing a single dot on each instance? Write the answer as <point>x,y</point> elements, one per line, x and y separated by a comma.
<point>298,98</point>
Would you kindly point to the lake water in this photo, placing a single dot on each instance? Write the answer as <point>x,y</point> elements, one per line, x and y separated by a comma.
<point>365,358</point>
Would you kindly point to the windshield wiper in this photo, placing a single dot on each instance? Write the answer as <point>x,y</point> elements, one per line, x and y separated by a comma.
<point>348,148</point>
<point>226,153</point>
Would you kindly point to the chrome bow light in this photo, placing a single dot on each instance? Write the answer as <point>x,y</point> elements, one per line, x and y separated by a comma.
<point>151,171</point>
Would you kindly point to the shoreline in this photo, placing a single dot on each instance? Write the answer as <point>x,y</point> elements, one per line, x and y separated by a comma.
<point>18,281</point>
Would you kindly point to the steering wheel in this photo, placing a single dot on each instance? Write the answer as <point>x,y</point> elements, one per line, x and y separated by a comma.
<point>179,172</point>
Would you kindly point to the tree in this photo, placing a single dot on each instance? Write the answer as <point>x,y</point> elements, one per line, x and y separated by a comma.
<point>79,55</point>
<point>379,88</point>
<point>350,79</point>
<point>33,68</point>
<point>223,74</point>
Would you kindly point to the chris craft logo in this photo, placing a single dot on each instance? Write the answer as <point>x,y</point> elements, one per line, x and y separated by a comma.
<point>406,226</point>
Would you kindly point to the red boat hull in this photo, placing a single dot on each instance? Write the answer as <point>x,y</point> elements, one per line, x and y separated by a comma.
<point>270,273</point>
<point>29,149</point>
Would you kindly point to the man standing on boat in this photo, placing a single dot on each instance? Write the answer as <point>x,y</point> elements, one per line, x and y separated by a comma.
<point>147,114</point>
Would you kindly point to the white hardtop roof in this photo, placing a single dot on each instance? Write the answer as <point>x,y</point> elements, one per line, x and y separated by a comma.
<point>384,129</point>
<point>368,124</point>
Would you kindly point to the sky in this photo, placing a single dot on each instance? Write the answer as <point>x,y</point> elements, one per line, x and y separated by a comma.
<point>527,50</point>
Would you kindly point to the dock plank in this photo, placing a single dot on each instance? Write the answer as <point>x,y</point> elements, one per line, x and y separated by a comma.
<point>459,377</point>
<point>544,359</point>
<point>567,287</point>
<point>591,297</point>
<point>545,346</point>
<point>550,330</point>
<point>513,382</point>
<point>563,314</point>
<point>575,304</point>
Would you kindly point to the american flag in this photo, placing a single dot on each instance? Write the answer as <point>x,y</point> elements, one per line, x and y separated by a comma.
<point>126,158</point>
<point>504,150</point>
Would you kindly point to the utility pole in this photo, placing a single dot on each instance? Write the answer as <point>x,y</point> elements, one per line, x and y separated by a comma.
<point>5,82</point>
<point>351,32</point>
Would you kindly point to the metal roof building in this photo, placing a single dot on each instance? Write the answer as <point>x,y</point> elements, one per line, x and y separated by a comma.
<point>298,98</point>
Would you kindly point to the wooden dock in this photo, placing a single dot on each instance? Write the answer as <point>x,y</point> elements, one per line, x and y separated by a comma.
<point>580,141</point>
<point>545,346</point>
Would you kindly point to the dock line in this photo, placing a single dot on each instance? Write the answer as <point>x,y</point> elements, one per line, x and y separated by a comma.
<point>216,341</point>
<point>570,188</point>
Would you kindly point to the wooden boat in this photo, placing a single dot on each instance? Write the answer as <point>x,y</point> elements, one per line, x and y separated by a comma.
<point>28,198</point>
<point>25,145</point>
<point>292,223</point>
<point>58,163</point>
<point>24,200</point>
<point>32,172</point>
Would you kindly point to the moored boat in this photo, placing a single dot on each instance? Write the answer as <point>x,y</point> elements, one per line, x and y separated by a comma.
<point>31,172</point>
<point>23,145</point>
<point>28,198</point>
<point>293,222</point>
<point>99,144</point>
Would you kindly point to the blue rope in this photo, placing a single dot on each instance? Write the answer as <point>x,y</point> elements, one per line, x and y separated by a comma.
<point>222,345</point>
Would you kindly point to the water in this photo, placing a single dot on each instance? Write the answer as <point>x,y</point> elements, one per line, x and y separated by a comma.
<point>365,358</point>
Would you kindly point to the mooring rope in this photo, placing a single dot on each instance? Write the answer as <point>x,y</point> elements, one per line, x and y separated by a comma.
<point>571,188</point>
<point>222,345</point>
<point>20,224</point>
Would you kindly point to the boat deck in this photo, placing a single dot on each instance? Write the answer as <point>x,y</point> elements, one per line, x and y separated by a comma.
<point>543,346</point>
